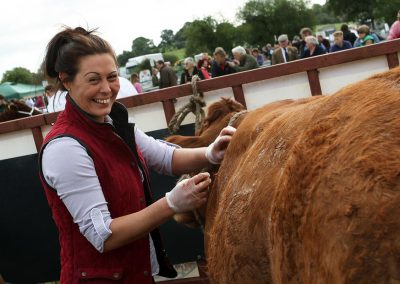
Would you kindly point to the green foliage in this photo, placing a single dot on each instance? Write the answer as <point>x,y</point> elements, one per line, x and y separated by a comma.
<point>145,64</point>
<point>142,46</point>
<point>18,75</point>
<point>167,39</point>
<point>225,36</point>
<point>366,9</point>
<point>170,57</point>
<point>324,15</point>
<point>267,19</point>
<point>123,58</point>
<point>180,36</point>
<point>200,36</point>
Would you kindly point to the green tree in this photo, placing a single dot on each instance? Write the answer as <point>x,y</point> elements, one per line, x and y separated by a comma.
<point>123,58</point>
<point>180,36</point>
<point>225,36</point>
<point>267,19</point>
<point>167,39</point>
<point>18,75</point>
<point>324,15</point>
<point>142,46</point>
<point>366,9</point>
<point>200,36</point>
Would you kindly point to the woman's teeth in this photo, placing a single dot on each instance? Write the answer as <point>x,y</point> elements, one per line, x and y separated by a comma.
<point>102,101</point>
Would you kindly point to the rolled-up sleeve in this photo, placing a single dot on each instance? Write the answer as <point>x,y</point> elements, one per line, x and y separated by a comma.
<point>158,154</point>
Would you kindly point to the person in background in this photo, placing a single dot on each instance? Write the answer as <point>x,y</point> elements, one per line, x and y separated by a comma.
<point>155,77</point>
<point>3,103</point>
<point>189,70</point>
<point>135,83</point>
<point>167,75</point>
<point>284,53</point>
<point>313,47</point>
<point>30,102</point>
<point>268,50</point>
<point>324,42</point>
<point>347,34</point>
<point>94,167</point>
<point>364,37</point>
<point>242,60</point>
<point>258,56</point>
<point>220,66</point>
<point>394,31</point>
<point>301,45</point>
<point>126,88</point>
<point>39,103</point>
<point>203,67</point>
<point>339,43</point>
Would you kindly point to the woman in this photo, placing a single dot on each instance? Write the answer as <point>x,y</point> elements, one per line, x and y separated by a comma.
<point>313,47</point>
<point>203,66</point>
<point>189,71</point>
<point>93,166</point>
<point>135,83</point>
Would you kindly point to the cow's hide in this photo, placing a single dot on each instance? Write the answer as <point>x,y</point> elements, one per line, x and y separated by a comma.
<point>309,191</point>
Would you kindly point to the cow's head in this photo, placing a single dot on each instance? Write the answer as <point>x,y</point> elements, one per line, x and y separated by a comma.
<point>218,116</point>
<point>16,109</point>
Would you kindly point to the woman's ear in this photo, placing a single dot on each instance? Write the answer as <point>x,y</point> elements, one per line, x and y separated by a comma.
<point>63,79</point>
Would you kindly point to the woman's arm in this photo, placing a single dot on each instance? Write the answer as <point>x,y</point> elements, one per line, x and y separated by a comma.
<point>129,228</point>
<point>77,185</point>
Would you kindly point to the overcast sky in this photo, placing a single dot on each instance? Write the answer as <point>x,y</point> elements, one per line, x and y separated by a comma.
<point>27,26</point>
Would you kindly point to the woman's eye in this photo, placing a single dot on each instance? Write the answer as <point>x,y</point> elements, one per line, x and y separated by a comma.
<point>112,77</point>
<point>93,80</point>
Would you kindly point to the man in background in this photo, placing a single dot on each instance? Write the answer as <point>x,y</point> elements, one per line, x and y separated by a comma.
<point>242,61</point>
<point>339,43</point>
<point>167,75</point>
<point>220,66</point>
<point>284,53</point>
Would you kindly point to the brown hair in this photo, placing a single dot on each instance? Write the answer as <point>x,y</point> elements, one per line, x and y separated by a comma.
<point>65,50</point>
<point>338,33</point>
<point>220,51</point>
<point>364,29</point>
<point>134,76</point>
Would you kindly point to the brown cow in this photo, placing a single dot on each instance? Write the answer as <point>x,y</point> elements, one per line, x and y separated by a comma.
<point>309,191</point>
<point>16,110</point>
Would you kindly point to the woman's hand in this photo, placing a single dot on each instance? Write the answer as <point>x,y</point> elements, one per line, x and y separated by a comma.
<point>189,194</point>
<point>215,151</point>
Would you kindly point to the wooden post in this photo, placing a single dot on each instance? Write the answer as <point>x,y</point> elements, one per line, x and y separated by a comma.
<point>37,137</point>
<point>393,60</point>
<point>169,109</point>
<point>239,94</point>
<point>313,80</point>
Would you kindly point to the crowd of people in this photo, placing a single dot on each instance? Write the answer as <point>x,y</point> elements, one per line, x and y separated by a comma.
<point>304,45</point>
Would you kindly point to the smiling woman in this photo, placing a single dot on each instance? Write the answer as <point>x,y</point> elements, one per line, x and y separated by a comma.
<point>100,195</point>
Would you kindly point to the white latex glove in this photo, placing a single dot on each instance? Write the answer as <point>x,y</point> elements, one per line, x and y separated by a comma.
<point>215,151</point>
<point>189,194</point>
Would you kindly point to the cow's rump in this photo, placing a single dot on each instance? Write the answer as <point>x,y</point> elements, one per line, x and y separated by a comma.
<point>309,191</point>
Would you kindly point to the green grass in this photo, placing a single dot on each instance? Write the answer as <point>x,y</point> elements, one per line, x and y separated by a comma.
<point>180,53</point>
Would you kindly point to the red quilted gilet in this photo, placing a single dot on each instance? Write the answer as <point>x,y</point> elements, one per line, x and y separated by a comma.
<point>116,162</point>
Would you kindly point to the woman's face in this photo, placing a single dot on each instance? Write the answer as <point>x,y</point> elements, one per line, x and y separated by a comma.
<point>96,85</point>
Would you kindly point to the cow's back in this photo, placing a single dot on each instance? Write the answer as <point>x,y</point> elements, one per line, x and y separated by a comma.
<point>309,191</point>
